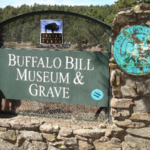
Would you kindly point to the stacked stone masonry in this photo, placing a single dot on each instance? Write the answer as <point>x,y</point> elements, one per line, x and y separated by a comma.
<point>130,111</point>
<point>130,105</point>
<point>31,133</point>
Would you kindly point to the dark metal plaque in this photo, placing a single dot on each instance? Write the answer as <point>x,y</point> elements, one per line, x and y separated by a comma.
<point>132,50</point>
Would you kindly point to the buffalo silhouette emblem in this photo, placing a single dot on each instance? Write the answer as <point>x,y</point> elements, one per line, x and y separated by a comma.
<point>52,26</point>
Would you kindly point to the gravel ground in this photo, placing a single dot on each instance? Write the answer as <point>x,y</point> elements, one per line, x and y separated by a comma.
<point>59,110</point>
<point>75,116</point>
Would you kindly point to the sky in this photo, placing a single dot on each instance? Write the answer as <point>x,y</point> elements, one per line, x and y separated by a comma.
<point>17,3</point>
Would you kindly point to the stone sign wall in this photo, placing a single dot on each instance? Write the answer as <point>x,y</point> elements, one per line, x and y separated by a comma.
<point>130,111</point>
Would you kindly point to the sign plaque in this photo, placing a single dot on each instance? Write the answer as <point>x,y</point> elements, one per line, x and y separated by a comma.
<point>51,32</point>
<point>55,76</point>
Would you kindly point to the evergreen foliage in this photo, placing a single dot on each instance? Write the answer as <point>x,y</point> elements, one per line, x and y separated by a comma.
<point>77,31</point>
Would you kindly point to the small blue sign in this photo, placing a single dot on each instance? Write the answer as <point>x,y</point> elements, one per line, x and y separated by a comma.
<point>97,94</point>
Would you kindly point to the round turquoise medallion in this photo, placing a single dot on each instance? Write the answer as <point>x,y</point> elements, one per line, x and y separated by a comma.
<point>97,94</point>
<point>132,50</point>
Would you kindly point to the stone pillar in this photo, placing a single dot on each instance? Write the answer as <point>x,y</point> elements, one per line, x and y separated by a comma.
<point>130,105</point>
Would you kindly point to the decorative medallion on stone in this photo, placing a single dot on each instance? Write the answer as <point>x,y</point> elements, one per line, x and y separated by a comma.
<point>132,50</point>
